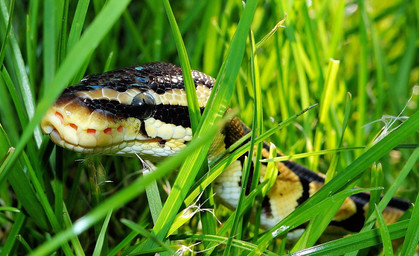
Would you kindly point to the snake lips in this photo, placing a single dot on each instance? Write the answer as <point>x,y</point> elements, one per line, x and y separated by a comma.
<point>143,110</point>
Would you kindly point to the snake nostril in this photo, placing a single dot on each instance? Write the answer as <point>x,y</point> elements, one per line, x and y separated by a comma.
<point>74,126</point>
<point>59,115</point>
<point>91,131</point>
<point>108,131</point>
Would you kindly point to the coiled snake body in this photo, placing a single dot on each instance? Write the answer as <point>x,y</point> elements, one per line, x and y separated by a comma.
<point>144,110</point>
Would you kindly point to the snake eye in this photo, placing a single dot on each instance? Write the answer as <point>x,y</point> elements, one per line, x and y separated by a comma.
<point>145,104</point>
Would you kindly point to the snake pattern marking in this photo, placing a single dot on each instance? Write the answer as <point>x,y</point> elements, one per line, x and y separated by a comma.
<point>144,110</point>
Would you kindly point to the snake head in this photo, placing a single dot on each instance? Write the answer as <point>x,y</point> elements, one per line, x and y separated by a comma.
<point>127,111</point>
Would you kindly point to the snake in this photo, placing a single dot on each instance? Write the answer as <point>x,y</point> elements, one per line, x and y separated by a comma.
<point>143,110</point>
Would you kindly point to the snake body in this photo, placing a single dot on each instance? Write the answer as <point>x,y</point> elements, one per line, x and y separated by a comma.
<point>143,110</point>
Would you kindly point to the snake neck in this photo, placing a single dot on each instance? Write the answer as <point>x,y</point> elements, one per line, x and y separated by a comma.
<point>234,130</point>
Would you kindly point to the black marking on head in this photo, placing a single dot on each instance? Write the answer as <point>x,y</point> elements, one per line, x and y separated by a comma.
<point>158,76</point>
<point>162,143</point>
<point>137,129</point>
<point>142,130</point>
<point>171,114</point>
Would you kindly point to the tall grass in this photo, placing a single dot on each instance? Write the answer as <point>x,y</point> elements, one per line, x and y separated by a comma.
<point>357,60</point>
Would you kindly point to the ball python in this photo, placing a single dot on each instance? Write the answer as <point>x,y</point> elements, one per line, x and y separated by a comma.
<point>143,110</point>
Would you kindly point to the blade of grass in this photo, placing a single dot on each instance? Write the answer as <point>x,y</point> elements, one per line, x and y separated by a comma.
<point>78,23</point>
<point>332,171</point>
<point>362,78</point>
<point>49,39</point>
<point>31,39</point>
<point>153,195</point>
<point>137,228</point>
<point>14,232</point>
<point>100,240</point>
<point>385,235</point>
<point>412,234</point>
<point>376,181</point>
<point>402,78</point>
<point>78,249</point>
<point>6,34</point>
<point>193,106</point>
<point>328,95</point>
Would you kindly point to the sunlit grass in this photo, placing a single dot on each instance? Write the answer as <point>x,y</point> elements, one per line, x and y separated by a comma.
<point>357,60</point>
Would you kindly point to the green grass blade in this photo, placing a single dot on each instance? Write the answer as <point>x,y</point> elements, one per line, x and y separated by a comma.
<point>14,232</point>
<point>78,249</point>
<point>412,235</point>
<point>6,34</point>
<point>49,39</point>
<point>153,195</point>
<point>327,98</point>
<point>78,23</point>
<point>137,228</point>
<point>102,235</point>
<point>362,77</point>
<point>193,106</point>
<point>384,233</point>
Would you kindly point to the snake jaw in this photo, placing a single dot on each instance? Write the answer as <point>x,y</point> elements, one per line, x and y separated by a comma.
<point>75,127</point>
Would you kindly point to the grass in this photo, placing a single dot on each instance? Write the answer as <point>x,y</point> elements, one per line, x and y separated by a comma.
<point>357,60</point>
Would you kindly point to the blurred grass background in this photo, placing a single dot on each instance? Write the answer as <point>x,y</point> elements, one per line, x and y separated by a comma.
<point>354,58</point>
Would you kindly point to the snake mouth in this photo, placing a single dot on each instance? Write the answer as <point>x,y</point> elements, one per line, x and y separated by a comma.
<point>121,148</point>
<point>95,133</point>
<point>74,136</point>
<point>81,136</point>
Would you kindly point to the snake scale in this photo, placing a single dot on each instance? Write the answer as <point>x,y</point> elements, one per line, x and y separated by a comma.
<point>143,110</point>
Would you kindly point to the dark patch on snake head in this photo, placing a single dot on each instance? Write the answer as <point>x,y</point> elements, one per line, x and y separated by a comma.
<point>142,130</point>
<point>162,143</point>
<point>138,129</point>
<point>69,94</point>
